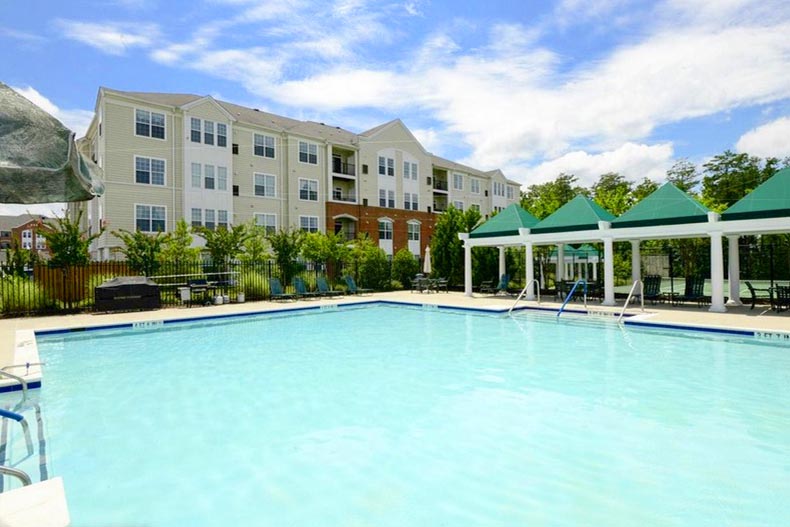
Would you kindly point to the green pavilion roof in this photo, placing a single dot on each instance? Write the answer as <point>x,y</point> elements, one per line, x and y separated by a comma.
<point>506,223</point>
<point>668,205</point>
<point>579,214</point>
<point>769,200</point>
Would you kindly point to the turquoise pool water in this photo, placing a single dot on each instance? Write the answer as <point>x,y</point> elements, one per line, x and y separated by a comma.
<point>388,416</point>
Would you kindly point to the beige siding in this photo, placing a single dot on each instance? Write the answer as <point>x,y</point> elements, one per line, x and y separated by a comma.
<point>297,170</point>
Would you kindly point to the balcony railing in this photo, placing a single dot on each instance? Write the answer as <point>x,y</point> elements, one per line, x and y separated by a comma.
<point>347,198</point>
<point>438,207</point>
<point>347,169</point>
<point>439,185</point>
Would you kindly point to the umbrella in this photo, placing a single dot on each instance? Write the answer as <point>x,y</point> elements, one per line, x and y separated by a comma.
<point>426,264</point>
<point>39,161</point>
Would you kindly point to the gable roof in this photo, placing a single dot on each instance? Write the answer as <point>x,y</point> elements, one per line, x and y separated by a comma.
<point>771,199</point>
<point>579,214</point>
<point>506,223</point>
<point>667,205</point>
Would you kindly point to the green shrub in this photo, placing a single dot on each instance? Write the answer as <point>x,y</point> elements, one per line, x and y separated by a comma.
<point>21,295</point>
<point>404,267</point>
<point>254,285</point>
<point>396,285</point>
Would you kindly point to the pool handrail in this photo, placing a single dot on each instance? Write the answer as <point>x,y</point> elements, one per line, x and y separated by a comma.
<point>631,294</point>
<point>19,418</point>
<point>19,474</point>
<point>570,295</point>
<point>535,281</point>
<point>17,378</point>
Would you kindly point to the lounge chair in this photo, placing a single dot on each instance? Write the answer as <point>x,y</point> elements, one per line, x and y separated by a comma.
<point>301,289</point>
<point>501,287</point>
<point>652,288</point>
<point>352,287</point>
<point>486,286</point>
<point>276,290</point>
<point>782,302</point>
<point>757,294</point>
<point>693,292</point>
<point>323,288</point>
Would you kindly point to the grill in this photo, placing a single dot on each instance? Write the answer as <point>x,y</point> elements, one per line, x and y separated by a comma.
<point>127,293</point>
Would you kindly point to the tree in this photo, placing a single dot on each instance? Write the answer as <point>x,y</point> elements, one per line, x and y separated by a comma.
<point>729,177</point>
<point>643,190</point>
<point>683,174</point>
<point>447,251</point>
<point>223,244</point>
<point>544,199</point>
<point>286,244</point>
<point>613,193</point>
<point>177,248</point>
<point>142,250</point>
<point>19,259</point>
<point>326,249</point>
<point>255,247</point>
<point>404,266</point>
<point>68,244</point>
<point>371,263</point>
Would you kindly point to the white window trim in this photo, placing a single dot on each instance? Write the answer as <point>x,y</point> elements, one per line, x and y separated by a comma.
<point>134,123</point>
<point>317,190</point>
<point>317,223</point>
<point>392,228</point>
<point>264,174</point>
<point>473,180</point>
<point>274,140</point>
<point>134,172</point>
<point>461,176</point>
<point>299,151</point>
<point>416,223</point>
<point>151,206</point>
<point>264,214</point>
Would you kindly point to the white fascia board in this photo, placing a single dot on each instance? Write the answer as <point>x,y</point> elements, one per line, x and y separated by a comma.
<point>495,241</point>
<point>188,106</point>
<point>756,226</point>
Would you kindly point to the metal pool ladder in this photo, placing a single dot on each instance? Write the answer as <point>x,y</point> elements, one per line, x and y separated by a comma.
<point>631,294</point>
<point>533,281</point>
<point>570,295</point>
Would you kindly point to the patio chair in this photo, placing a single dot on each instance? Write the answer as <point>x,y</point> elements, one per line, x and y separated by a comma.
<point>693,292</point>
<point>352,286</point>
<point>486,286</point>
<point>782,302</point>
<point>277,292</point>
<point>501,287</point>
<point>652,288</point>
<point>301,289</point>
<point>418,283</point>
<point>441,283</point>
<point>324,289</point>
<point>759,294</point>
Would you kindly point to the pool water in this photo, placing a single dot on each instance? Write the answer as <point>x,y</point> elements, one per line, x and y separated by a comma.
<point>389,416</point>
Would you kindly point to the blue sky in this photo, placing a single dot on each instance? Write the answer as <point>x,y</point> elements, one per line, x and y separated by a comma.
<point>533,88</point>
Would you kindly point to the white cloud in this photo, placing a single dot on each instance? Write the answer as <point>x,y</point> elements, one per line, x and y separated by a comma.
<point>633,161</point>
<point>23,36</point>
<point>430,139</point>
<point>769,140</point>
<point>75,120</point>
<point>112,38</point>
<point>48,209</point>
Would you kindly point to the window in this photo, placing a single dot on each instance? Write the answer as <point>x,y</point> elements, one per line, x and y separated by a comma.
<point>267,221</point>
<point>410,170</point>
<point>308,153</point>
<point>208,132</point>
<point>410,201</point>
<point>210,219</point>
<point>208,177</point>
<point>414,231</point>
<point>385,230</point>
<point>458,181</point>
<point>499,189</point>
<point>264,185</point>
<point>510,192</point>
<point>149,124</point>
<point>197,174</point>
<point>41,242</point>
<point>149,218</point>
<point>308,223</point>
<point>308,189</point>
<point>382,197</point>
<point>222,135</point>
<point>475,207</point>
<point>263,145</point>
<point>195,135</point>
<point>391,199</point>
<point>386,166</point>
<point>459,205</point>
<point>222,218</point>
<point>149,170</point>
<point>222,178</point>
<point>27,234</point>
<point>197,217</point>
<point>474,185</point>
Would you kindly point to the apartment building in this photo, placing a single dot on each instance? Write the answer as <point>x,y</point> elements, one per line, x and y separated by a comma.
<point>22,230</point>
<point>171,156</point>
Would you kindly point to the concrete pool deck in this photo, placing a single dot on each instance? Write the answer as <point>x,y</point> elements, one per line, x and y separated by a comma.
<point>47,499</point>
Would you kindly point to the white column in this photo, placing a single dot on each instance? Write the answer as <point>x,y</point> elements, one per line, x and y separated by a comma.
<point>502,265</point>
<point>530,272</point>
<point>716,274</point>
<point>595,272</point>
<point>734,272</point>
<point>560,262</point>
<point>608,272</point>
<point>464,236</point>
<point>636,262</point>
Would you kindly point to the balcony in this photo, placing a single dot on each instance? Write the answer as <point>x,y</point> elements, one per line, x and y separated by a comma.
<point>345,169</point>
<point>440,185</point>
<point>345,198</point>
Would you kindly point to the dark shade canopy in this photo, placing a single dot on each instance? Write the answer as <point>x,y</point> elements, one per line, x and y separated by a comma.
<point>39,161</point>
<point>668,205</point>
<point>769,200</point>
<point>579,214</point>
<point>506,223</point>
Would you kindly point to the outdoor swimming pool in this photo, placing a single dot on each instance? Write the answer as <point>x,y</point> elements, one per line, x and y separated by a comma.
<point>393,416</point>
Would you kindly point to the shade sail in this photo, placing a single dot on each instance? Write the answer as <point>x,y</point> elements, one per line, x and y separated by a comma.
<point>39,161</point>
<point>506,223</point>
